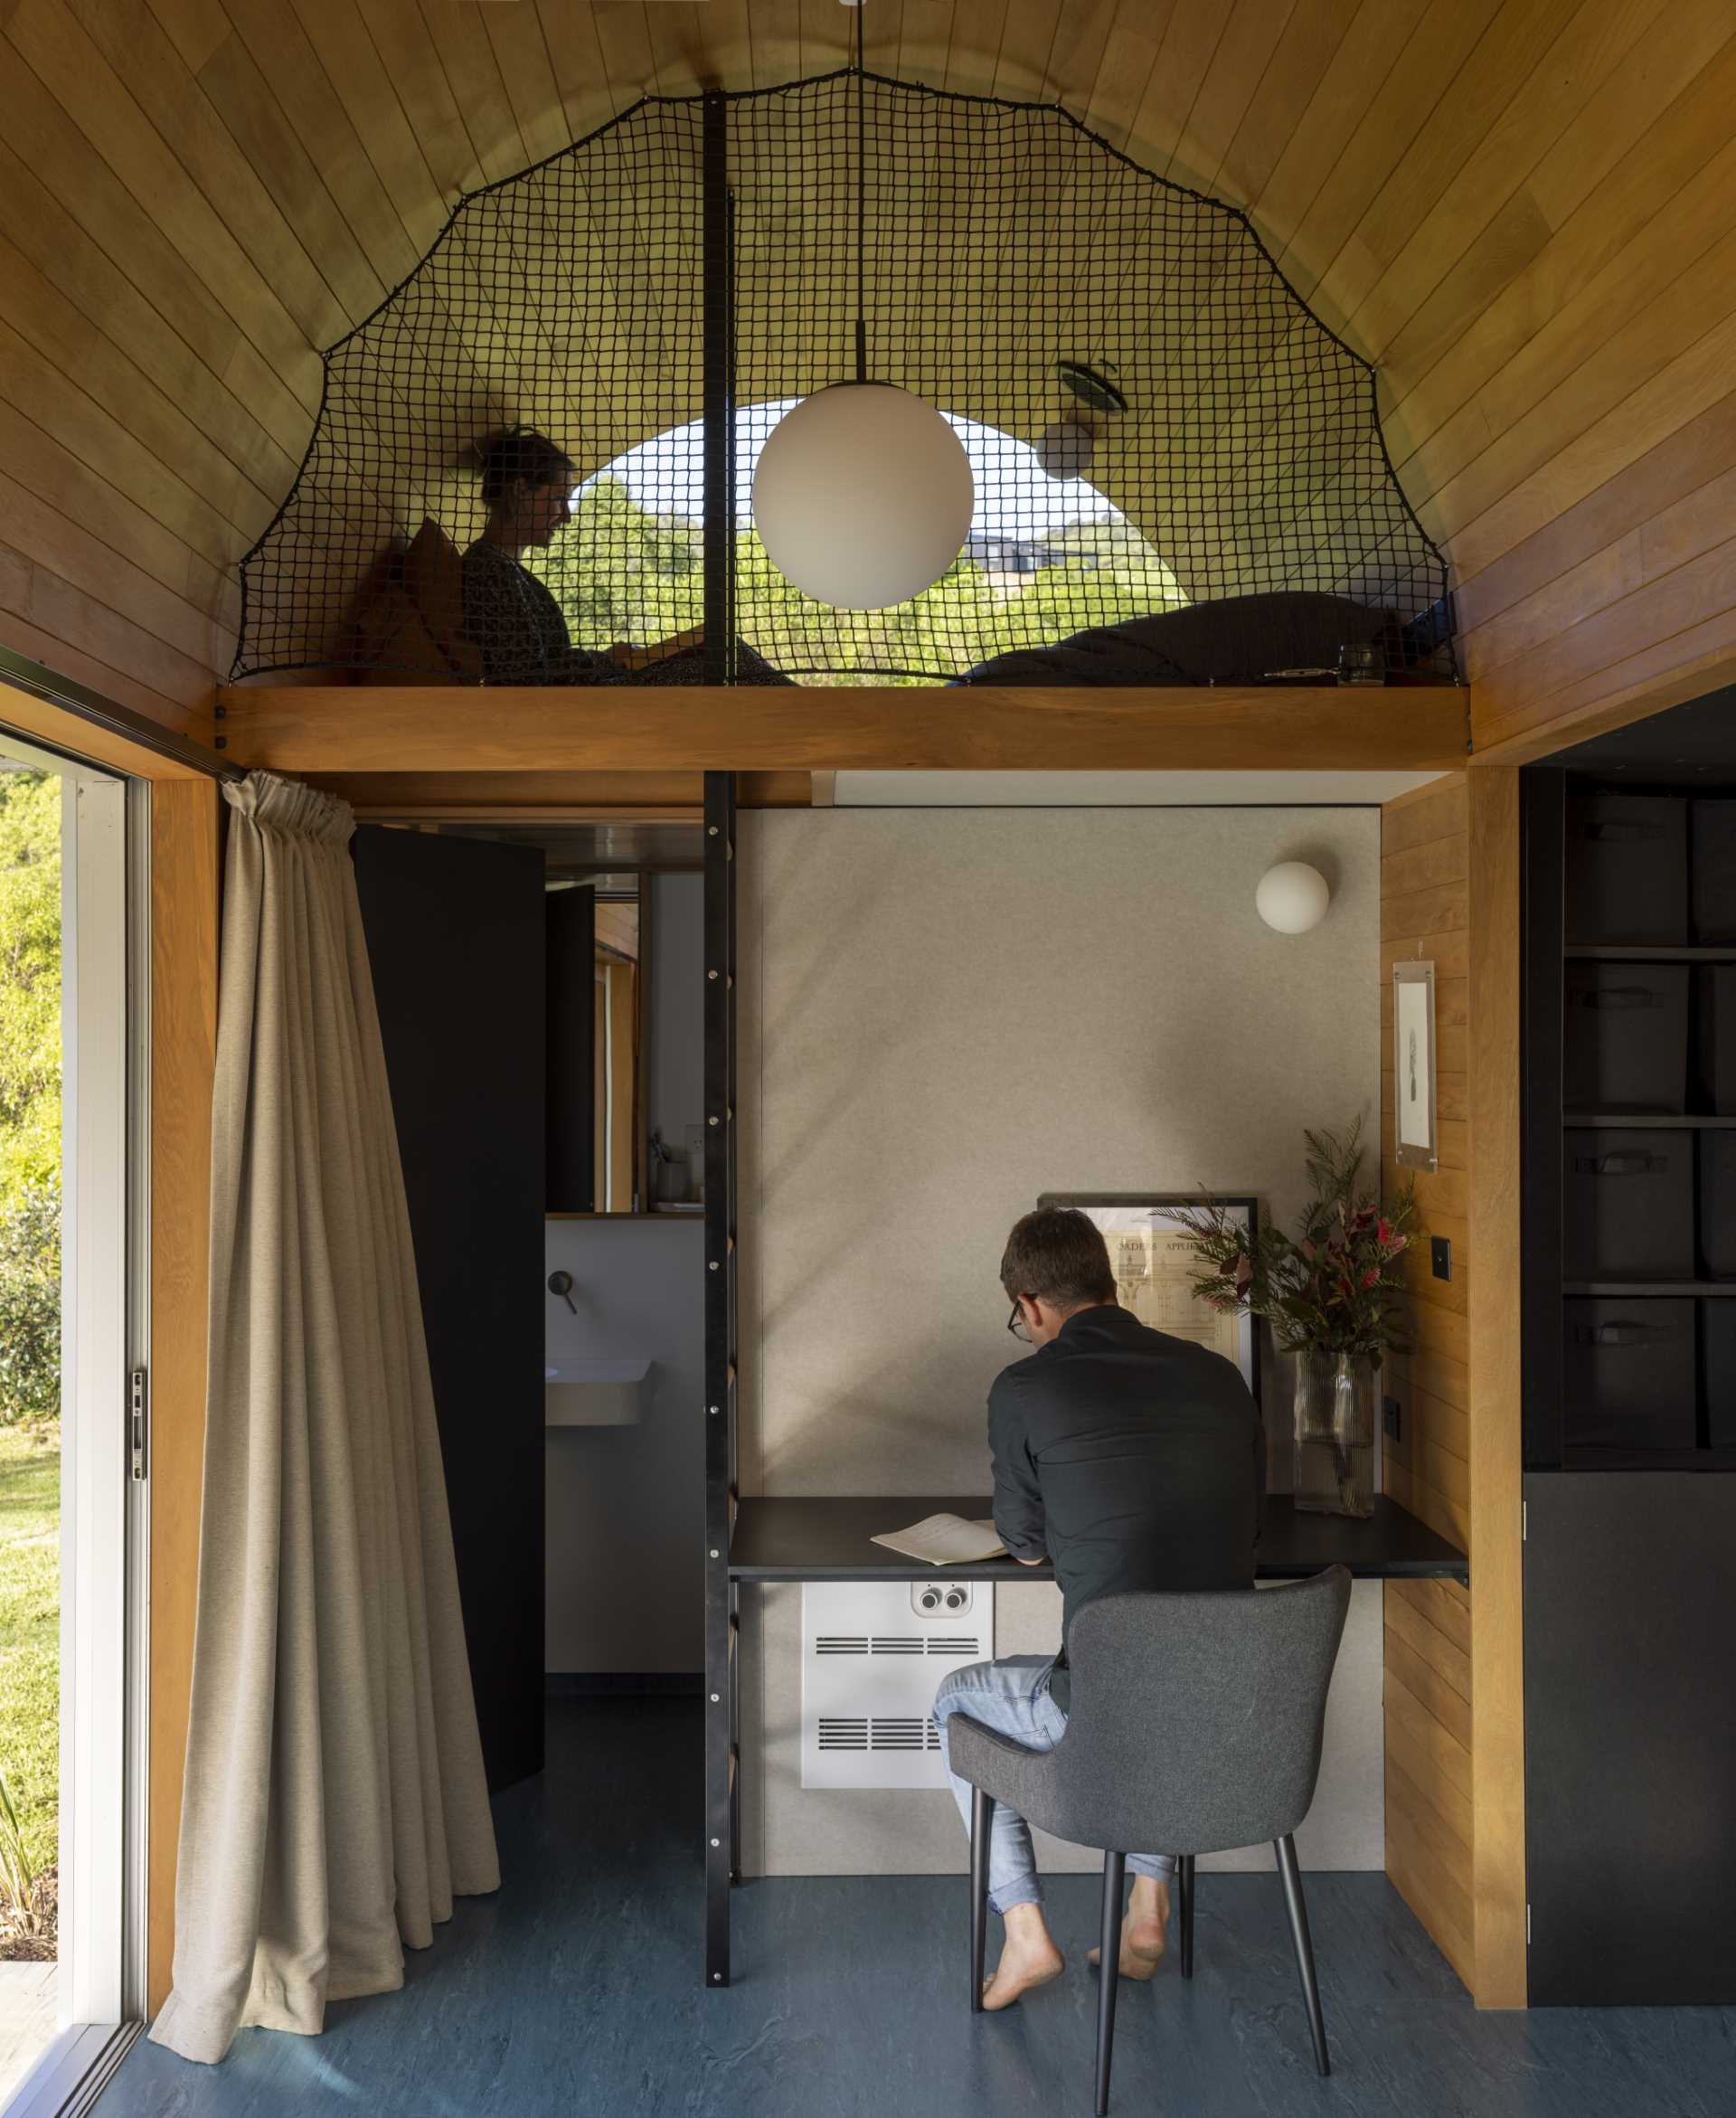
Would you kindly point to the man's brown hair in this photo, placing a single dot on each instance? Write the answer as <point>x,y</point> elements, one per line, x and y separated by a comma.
<point>1058,1255</point>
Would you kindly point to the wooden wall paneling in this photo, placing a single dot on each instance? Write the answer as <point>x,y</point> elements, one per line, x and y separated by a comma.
<point>1235,68</point>
<point>1496,1639</point>
<point>527,74</point>
<point>410,63</point>
<point>1312,34</point>
<point>184,1039</point>
<point>1430,1721</point>
<point>466,57</point>
<point>1021,59</point>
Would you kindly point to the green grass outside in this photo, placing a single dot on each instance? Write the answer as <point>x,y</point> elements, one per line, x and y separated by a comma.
<point>30,1633</point>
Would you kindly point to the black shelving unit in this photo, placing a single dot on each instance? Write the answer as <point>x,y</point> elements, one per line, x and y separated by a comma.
<point>1572,817</point>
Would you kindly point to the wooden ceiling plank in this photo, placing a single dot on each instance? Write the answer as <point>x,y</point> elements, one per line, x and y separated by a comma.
<point>347,106</point>
<point>1076,56</point>
<point>30,523</point>
<point>72,69</point>
<point>272,143</point>
<point>78,351</point>
<point>412,65</point>
<point>39,389</point>
<point>1576,270</point>
<point>1672,316</point>
<point>1598,36</point>
<point>828,34</point>
<point>776,54</point>
<point>624,38</point>
<point>86,276</point>
<point>924,40</point>
<point>412,730</point>
<point>972,45</point>
<point>1028,33</point>
<point>695,48</point>
<point>47,467</point>
<point>133,41</point>
<point>36,594</point>
<point>1254,32</point>
<point>1451,137</point>
<point>1670,471</point>
<point>1668,672</point>
<point>527,74</point>
<point>72,659</point>
<point>1413,90</point>
<point>1349,89</point>
<point>1680,601</point>
<point>576,60</point>
<point>1690,227</point>
<point>1117,97</point>
<point>1694,381</point>
<point>472,73</point>
<point>1313,32</point>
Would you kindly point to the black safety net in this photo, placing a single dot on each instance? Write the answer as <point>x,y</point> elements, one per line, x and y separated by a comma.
<point>1172,456</point>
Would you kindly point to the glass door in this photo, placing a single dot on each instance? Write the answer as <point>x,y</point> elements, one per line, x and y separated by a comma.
<point>70,1504</point>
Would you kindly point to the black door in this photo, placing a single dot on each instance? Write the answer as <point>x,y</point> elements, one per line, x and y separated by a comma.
<point>454,933</point>
<point>1630,1736</point>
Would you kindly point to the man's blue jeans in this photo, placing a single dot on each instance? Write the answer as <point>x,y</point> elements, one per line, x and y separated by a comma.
<point>1012,1697</point>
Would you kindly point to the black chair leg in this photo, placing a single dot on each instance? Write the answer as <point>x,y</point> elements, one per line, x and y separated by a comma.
<point>1115,1873</point>
<point>982,1821</point>
<point>1298,1912</point>
<point>1184,1910</point>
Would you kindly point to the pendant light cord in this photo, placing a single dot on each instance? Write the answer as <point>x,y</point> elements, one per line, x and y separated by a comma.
<point>862,206</point>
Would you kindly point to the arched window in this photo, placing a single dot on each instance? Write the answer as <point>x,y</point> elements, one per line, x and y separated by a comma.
<point>1045,557</point>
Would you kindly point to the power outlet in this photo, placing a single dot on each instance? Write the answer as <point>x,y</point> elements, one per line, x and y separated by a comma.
<point>1391,1417</point>
<point>1440,1256</point>
<point>940,1599</point>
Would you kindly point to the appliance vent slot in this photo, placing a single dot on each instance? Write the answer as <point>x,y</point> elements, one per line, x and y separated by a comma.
<point>840,1734</point>
<point>871,1666</point>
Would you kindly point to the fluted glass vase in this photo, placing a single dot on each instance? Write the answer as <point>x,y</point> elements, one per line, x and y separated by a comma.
<point>1334,1434</point>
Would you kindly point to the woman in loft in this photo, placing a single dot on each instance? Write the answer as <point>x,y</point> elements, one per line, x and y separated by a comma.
<point>511,617</point>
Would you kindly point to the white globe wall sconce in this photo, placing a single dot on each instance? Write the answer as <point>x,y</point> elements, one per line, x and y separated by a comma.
<point>863,496</point>
<point>1292,898</point>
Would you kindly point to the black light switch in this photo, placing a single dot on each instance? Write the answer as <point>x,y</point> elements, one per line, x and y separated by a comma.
<point>1389,1417</point>
<point>1440,1256</point>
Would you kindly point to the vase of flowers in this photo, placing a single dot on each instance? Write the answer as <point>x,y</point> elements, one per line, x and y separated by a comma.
<point>1330,1293</point>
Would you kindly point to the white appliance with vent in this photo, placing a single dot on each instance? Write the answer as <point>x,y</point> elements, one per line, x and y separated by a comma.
<point>873,1657</point>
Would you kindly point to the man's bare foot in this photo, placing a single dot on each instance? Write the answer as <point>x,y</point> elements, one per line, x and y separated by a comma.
<point>1029,1958</point>
<point>1144,1929</point>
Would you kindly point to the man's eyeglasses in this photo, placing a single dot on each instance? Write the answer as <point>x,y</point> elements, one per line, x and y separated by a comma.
<point>1016,1324</point>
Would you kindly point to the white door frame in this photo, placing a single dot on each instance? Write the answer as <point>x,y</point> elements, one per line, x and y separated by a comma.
<point>105,1024</point>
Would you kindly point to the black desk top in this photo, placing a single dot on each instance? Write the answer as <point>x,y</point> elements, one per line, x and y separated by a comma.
<point>832,1540</point>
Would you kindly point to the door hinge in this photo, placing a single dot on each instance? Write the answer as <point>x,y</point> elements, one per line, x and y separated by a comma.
<point>137,1401</point>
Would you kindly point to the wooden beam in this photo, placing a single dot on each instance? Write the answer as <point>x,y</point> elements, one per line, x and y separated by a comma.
<point>1497,1659</point>
<point>529,797</point>
<point>793,728</point>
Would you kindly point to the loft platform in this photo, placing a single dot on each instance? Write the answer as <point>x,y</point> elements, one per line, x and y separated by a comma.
<point>409,728</point>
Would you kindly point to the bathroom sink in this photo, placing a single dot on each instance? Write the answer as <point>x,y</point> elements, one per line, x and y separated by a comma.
<point>593,1393</point>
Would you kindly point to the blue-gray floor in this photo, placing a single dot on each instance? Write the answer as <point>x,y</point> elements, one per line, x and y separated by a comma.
<point>577,1990</point>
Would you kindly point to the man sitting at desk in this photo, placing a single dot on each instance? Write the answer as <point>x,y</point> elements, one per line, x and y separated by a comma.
<point>1133,1461</point>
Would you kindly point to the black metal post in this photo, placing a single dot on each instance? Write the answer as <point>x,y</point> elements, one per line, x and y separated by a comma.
<point>1109,1965</point>
<point>718,384</point>
<point>722,1723</point>
<point>1184,1879</point>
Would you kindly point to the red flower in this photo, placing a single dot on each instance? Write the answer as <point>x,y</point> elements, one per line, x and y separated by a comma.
<point>1383,1231</point>
<point>1372,1276</point>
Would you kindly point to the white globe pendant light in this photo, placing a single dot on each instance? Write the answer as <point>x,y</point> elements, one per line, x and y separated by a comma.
<point>863,496</point>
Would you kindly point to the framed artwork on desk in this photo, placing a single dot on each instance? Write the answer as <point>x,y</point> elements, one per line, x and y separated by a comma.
<point>1155,1266</point>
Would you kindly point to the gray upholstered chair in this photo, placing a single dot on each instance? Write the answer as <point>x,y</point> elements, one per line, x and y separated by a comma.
<point>1195,1728</point>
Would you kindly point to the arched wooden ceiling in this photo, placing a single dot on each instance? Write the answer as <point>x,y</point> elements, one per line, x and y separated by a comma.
<point>1524,211</point>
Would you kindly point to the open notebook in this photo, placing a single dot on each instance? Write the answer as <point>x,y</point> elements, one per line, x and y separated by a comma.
<point>944,1540</point>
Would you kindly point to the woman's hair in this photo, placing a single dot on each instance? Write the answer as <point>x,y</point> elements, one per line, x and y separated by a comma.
<point>519,452</point>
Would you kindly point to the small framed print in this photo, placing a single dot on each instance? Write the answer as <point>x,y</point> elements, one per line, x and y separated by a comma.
<point>1155,1266</point>
<point>1413,1065</point>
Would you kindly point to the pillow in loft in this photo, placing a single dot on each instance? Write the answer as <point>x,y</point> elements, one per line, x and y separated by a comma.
<point>1238,639</point>
<point>434,575</point>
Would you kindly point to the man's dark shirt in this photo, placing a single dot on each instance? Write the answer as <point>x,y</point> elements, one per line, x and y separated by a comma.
<point>1133,1459</point>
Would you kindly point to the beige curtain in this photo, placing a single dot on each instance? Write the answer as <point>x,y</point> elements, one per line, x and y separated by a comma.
<point>335,1799</point>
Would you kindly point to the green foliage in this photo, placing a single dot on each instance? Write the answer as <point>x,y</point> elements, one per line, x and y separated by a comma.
<point>1331,1287</point>
<point>30,979</point>
<point>29,1634</point>
<point>30,1304</point>
<point>620,572</point>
